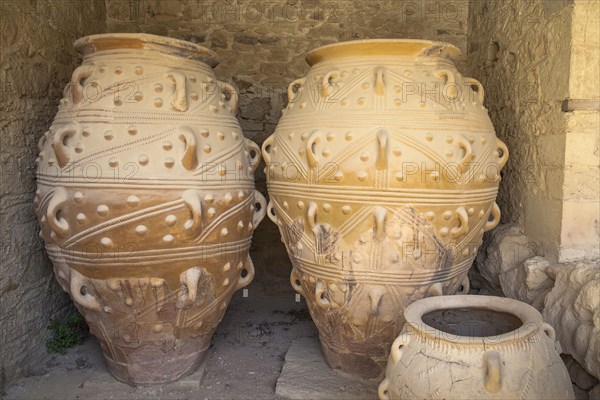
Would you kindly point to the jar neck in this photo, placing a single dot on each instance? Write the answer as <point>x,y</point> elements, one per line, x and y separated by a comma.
<point>125,57</point>
<point>129,47</point>
<point>399,49</point>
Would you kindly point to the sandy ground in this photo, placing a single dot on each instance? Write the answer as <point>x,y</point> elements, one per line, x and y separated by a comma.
<point>244,361</point>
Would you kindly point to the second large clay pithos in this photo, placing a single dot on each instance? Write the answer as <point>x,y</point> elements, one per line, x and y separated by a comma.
<point>383,174</point>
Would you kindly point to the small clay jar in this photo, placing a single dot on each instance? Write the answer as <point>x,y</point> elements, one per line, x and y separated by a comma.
<point>475,347</point>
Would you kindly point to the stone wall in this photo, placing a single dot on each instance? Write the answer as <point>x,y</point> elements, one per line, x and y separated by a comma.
<point>37,60</point>
<point>539,63</point>
<point>580,233</point>
<point>261,45</point>
<point>533,57</point>
<point>519,50</point>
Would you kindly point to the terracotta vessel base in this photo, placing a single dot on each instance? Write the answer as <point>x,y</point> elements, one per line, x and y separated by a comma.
<point>155,367</point>
<point>354,363</point>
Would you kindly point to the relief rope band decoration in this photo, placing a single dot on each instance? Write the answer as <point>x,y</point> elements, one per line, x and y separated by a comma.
<point>146,200</point>
<point>382,175</point>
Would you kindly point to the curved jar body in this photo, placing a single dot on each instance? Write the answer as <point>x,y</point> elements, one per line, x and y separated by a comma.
<point>146,200</point>
<point>382,175</point>
<point>475,347</point>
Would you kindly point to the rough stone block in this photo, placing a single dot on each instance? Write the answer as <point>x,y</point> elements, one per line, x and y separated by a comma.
<point>579,376</point>
<point>528,282</point>
<point>306,376</point>
<point>504,249</point>
<point>573,308</point>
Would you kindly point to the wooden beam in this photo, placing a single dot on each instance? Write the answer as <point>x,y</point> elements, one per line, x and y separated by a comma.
<point>580,104</point>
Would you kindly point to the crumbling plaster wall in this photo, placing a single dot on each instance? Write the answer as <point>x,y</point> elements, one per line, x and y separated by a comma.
<point>532,56</point>
<point>261,46</point>
<point>37,60</point>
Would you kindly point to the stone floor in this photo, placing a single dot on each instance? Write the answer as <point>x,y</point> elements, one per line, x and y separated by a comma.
<point>244,361</point>
<point>266,347</point>
<point>306,375</point>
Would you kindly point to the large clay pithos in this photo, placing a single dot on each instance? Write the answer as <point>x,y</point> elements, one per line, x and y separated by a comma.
<point>382,175</point>
<point>475,347</point>
<point>146,200</point>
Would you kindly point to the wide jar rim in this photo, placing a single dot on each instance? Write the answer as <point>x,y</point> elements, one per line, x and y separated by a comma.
<point>144,41</point>
<point>384,47</point>
<point>530,317</point>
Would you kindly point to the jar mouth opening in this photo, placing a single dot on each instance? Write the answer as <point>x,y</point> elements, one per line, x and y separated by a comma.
<point>143,41</point>
<point>384,47</point>
<point>472,319</point>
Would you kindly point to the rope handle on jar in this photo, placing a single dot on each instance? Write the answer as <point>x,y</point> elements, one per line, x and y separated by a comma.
<point>234,98</point>
<point>312,215</point>
<point>383,390</point>
<point>551,333</point>
<point>80,292</point>
<point>313,140</point>
<point>271,213</point>
<point>463,163</point>
<point>78,78</point>
<point>266,148</point>
<point>474,82</point>
<point>493,377</point>
<point>320,295</point>
<point>398,347</point>
<point>465,286</point>
<point>259,214</point>
<point>436,289</point>
<point>291,89</point>
<point>189,160</point>
<point>504,157</point>
<point>191,199</point>
<point>382,149</point>
<point>380,215</point>
<point>549,330</point>
<point>379,82</point>
<point>62,151</point>
<point>327,84</point>
<point>244,281</point>
<point>179,98</point>
<point>463,226</point>
<point>296,282</point>
<point>489,225</point>
<point>254,161</point>
<point>56,222</point>
<point>449,79</point>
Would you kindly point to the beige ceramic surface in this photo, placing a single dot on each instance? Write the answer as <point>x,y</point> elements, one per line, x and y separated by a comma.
<point>382,175</point>
<point>146,200</point>
<point>475,347</point>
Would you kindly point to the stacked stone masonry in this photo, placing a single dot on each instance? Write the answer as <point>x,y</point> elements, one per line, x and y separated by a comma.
<point>37,61</point>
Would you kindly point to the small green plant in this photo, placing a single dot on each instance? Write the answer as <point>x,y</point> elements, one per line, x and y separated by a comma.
<point>66,333</point>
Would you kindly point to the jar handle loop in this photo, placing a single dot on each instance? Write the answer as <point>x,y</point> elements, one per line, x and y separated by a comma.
<point>179,98</point>
<point>493,377</point>
<point>253,148</point>
<point>294,89</point>
<point>234,98</point>
<point>259,214</point>
<point>496,214</point>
